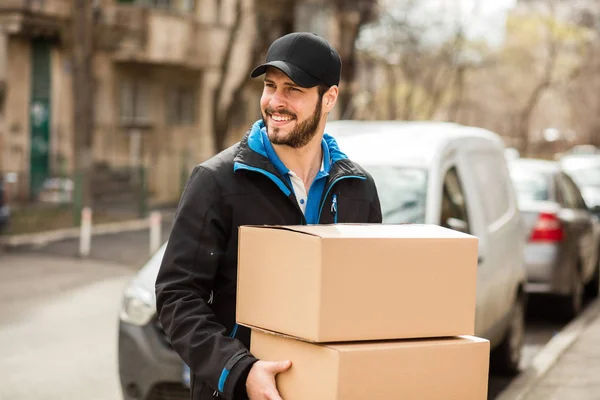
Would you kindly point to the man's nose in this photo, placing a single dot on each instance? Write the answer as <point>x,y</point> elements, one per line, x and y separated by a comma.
<point>277,99</point>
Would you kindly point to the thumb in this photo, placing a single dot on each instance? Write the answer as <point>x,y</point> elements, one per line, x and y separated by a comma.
<point>280,366</point>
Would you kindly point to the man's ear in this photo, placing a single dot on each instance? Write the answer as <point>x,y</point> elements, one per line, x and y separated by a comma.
<point>330,98</point>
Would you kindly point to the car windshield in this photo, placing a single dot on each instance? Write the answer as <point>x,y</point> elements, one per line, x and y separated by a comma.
<point>402,193</point>
<point>586,176</point>
<point>530,185</point>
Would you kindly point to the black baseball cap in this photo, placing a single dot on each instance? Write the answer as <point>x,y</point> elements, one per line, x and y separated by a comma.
<point>305,57</point>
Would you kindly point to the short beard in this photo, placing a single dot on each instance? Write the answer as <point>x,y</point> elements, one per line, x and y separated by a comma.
<point>302,134</point>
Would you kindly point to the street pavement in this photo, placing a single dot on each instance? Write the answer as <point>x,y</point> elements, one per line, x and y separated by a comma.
<point>568,367</point>
<point>576,373</point>
<point>58,327</point>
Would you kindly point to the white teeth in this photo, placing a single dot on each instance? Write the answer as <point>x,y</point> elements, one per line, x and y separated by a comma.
<point>280,119</point>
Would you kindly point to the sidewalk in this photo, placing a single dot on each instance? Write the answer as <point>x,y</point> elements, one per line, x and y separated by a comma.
<point>124,243</point>
<point>45,237</point>
<point>568,367</point>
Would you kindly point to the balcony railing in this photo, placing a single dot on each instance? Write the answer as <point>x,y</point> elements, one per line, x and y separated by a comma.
<point>48,8</point>
<point>156,36</point>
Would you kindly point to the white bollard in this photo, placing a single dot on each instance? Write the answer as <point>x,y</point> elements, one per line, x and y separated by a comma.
<point>85,237</point>
<point>155,231</point>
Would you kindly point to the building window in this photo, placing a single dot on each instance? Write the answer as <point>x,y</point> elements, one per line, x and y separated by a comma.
<point>135,106</point>
<point>165,4</point>
<point>181,106</point>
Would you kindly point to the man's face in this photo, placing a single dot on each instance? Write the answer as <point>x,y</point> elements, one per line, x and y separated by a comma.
<point>291,113</point>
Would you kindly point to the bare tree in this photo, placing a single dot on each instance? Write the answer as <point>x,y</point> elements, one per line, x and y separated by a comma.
<point>544,82</point>
<point>271,22</point>
<point>222,110</point>
<point>83,87</point>
<point>350,16</point>
<point>427,52</point>
<point>544,67</point>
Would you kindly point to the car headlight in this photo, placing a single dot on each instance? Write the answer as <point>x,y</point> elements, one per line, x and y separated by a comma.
<point>138,305</point>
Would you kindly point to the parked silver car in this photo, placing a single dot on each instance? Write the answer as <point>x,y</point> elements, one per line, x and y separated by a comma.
<point>149,368</point>
<point>585,171</point>
<point>561,253</point>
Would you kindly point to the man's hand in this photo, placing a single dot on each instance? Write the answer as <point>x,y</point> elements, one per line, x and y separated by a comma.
<point>260,384</point>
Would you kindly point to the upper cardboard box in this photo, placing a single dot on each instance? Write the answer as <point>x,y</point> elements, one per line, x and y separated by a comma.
<point>330,283</point>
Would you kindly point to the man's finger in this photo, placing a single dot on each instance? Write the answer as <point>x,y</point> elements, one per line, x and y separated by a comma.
<point>280,366</point>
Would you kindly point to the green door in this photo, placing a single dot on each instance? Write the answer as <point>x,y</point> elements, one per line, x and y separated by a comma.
<point>39,115</point>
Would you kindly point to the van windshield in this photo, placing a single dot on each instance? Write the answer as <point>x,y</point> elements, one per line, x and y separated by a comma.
<point>402,193</point>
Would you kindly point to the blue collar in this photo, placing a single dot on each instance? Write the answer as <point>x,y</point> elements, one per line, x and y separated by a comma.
<point>259,142</point>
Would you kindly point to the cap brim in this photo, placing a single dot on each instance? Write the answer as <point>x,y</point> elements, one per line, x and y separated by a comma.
<point>297,75</point>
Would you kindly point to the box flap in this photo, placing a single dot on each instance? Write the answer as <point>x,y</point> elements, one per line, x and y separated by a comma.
<point>376,344</point>
<point>275,333</point>
<point>291,228</point>
<point>372,231</point>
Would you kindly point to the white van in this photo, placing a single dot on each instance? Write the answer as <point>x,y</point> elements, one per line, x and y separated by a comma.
<point>455,176</point>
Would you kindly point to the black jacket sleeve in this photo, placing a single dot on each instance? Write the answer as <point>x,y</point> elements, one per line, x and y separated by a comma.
<point>183,286</point>
<point>375,216</point>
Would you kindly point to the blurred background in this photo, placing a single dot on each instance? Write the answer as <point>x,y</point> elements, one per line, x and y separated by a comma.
<point>111,102</point>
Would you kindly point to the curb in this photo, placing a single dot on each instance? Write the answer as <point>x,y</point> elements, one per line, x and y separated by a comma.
<point>520,387</point>
<point>43,238</point>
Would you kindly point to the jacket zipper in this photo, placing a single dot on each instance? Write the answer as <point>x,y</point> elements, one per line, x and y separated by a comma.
<point>331,186</point>
<point>334,208</point>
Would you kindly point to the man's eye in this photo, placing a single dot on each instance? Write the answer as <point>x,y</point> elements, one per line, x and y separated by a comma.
<point>294,89</point>
<point>270,85</point>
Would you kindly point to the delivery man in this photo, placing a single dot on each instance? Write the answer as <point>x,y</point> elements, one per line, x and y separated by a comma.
<point>284,171</point>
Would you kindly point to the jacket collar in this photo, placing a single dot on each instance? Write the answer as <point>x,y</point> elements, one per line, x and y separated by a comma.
<point>255,147</point>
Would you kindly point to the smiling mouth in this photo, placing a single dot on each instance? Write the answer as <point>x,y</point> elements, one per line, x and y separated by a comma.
<point>281,118</point>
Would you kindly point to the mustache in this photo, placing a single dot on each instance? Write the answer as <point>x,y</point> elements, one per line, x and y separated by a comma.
<point>270,111</point>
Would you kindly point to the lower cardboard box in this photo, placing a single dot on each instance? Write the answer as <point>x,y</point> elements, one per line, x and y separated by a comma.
<point>454,368</point>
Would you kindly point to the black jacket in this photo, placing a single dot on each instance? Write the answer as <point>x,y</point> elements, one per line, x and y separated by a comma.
<point>196,284</point>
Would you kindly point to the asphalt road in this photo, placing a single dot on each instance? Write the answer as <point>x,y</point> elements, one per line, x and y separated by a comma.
<point>58,328</point>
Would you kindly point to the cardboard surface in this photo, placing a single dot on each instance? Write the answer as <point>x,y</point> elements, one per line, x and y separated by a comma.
<point>330,283</point>
<point>449,368</point>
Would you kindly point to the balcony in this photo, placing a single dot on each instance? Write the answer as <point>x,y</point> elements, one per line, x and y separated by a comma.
<point>162,37</point>
<point>34,17</point>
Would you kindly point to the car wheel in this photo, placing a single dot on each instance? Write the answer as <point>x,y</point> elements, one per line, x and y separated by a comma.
<point>573,303</point>
<point>505,359</point>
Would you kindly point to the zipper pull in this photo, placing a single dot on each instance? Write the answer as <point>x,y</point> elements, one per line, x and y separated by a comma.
<point>334,208</point>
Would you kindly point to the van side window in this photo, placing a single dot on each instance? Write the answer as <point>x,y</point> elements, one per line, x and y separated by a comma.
<point>453,202</point>
<point>492,174</point>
